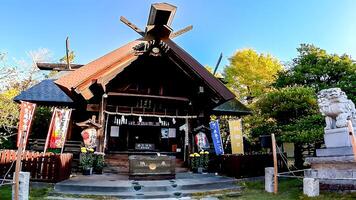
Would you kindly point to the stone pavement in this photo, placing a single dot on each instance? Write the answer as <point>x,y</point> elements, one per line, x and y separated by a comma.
<point>183,186</point>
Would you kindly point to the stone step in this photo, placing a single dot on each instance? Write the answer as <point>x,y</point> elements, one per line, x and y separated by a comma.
<point>184,185</point>
<point>152,186</point>
<point>156,194</point>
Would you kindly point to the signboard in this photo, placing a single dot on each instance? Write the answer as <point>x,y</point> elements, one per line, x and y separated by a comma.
<point>215,134</point>
<point>114,131</point>
<point>171,132</point>
<point>144,146</point>
<point>26,116</point>
<point>237,145</point>
<point>59,127</point>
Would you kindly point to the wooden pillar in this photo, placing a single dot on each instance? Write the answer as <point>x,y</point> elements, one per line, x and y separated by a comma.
<point>101,118</point>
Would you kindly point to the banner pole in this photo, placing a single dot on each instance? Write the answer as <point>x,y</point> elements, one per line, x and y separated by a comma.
<point>49,131</point>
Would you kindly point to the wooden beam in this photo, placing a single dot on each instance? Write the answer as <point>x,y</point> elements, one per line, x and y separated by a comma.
<point>148,96</point>
<point>20,150</point>
<point>180,32</point>
<point>67,53</point>
<point>57,66</point>
<point>132,26</point>
<point>352,137</point>
<point>275,166</point>
<point>87,94</point>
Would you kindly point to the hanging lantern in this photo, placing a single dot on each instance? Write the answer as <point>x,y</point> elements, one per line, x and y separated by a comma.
<point>174,120</point>
<point>140,119</point>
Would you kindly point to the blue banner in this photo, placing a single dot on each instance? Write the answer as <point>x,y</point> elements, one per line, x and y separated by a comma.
<point>215,134</point>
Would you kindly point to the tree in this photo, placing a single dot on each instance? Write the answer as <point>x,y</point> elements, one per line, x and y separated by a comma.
<point>8,115</point>
<point>18,78</point>
<point>71,56</point>
<point>292,114</point>
<point>315,68</point>
<point>250,74</point>
<point>7,73</point>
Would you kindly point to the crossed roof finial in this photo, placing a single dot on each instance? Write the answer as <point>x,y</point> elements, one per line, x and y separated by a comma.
<point>159,23</point>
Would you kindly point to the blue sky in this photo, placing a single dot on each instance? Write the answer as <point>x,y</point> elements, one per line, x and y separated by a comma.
<point>274,26</point>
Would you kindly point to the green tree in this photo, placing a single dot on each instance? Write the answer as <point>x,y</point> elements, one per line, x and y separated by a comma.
<point>315,68</point>
<point>8,115</point>
<point>292,114</point>
<point>250,74</point>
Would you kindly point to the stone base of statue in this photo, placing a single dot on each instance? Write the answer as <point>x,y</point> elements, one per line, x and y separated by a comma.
<point>334,165</point>
<point>337,137</point>
<point>333,172</point>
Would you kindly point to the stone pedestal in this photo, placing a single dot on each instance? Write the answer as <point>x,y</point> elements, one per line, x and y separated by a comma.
<point>311,187</point>
<point>335,151</point>
<point>333,172</point>
<point>269,181</point>
<point>338,137</point>
<point>24,186</point>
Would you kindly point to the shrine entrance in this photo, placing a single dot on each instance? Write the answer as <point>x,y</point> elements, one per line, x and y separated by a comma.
<point>145,137</point>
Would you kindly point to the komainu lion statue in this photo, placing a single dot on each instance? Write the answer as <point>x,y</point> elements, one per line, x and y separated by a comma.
<point>336,108</point>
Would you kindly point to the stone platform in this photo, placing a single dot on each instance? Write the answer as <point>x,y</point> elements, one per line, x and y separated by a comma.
<point>333,172</point>
<point>185,184</point>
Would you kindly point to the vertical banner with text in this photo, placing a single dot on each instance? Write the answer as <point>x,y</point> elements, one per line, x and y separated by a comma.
<point>26,115</point>
<point>237,145</point>
<point>59,127</point>
<point>215,134</point>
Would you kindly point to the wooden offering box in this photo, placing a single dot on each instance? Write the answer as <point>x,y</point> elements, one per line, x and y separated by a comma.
<point>151,167</point>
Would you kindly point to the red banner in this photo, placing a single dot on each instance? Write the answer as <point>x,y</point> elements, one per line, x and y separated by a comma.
<point>26,116</point>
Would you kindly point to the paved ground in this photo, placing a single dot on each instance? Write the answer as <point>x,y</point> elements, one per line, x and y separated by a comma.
<point>185,184</point>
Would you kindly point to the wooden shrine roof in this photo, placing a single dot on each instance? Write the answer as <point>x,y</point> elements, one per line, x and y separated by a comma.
<point>102,70</point>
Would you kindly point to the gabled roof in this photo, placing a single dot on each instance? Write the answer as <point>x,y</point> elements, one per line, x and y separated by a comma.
<point>232,107</point>
<point>214,83</point>
<point>44,92</point>
<point>81,79</point>
<point>104,69</point>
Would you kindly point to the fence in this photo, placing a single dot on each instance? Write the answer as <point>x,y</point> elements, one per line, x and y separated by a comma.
<point>47,167</point>
<point>240,166</point>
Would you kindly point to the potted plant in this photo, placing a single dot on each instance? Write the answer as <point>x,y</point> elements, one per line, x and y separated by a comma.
<point>192,162</point>
<point>201,160</point>
<point>99,162</point>
<point>86,161</point>
<point>206,161</point>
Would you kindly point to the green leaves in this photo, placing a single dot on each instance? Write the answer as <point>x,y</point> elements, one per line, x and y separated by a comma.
<point>288,104</point>
<point>315,68</point>
<point>250,74</point>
